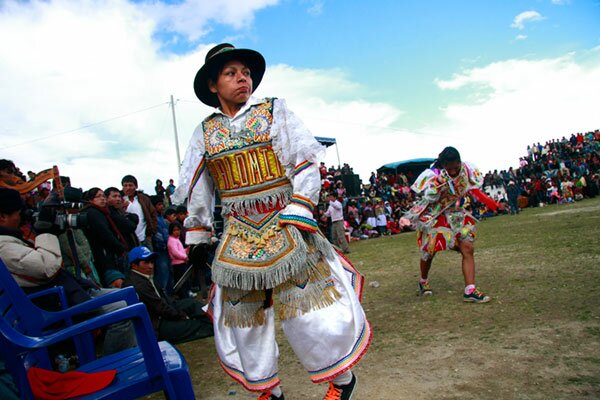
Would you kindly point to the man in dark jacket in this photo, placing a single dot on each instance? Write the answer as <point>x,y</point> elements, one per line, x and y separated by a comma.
<point>175,321</point>
<point>140,204</point>
<point>126,222</point>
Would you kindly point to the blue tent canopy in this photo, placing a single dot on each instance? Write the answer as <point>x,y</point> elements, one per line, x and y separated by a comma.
<point>325,141</point>
<point>421,163</point>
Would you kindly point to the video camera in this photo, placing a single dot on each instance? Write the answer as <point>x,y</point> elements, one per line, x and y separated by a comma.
<point>56,215</point>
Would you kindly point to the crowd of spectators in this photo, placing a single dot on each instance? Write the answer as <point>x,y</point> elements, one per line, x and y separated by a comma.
<point>559,172</point>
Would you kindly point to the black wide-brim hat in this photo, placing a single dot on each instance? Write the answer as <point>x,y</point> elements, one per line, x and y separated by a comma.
<point>219,56</point>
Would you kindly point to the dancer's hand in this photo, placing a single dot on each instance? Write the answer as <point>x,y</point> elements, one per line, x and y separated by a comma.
<point>405,222</point>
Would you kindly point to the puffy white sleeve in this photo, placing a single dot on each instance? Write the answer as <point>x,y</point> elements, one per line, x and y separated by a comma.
<point>475,175</point>
<point>299,153</point>
<point>196,185</point>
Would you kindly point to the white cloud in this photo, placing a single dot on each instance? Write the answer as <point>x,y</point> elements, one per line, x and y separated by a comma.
<point>192,18</point>
<point>530,101</point>
<point>315,6</point>
<point>520,37</point>
<point>526,16</point>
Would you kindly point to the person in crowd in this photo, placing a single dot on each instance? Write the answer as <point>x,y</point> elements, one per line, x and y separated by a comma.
<point>170,191</point>
<point>513,192</point>
<point>159,189</point>
<point>340,190</point>
<point>126,222</point>
<point>77,255</point>
<point>181,214</point>
<point>163,271</point>
<point>269,246</point>
<point>106,241</point>
<point>443,187</point>
<point>178,257</point>
<point>38,266</point>
<point>369,214</point>
<point>353,214</point>
<point>380,218</point>
<point>338,232</point>
<point>140,204</point>
<point>176,321</point>
<point>170,215</point>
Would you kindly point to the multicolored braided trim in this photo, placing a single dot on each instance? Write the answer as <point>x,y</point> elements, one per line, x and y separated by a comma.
<point>303,201</point>
<point>302,166</point>
<point>196,177</point>
<point>303,223</point>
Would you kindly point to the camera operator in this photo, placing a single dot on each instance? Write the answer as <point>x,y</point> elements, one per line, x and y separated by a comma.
<point>29,266</point>
<point>38,267</point>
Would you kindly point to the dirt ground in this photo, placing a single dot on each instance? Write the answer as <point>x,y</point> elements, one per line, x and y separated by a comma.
<point>538,339</point>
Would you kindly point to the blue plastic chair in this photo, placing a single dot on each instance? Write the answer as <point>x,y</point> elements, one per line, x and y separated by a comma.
<point>25,338</point>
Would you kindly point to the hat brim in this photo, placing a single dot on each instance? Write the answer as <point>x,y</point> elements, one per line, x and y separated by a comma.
<point>253,60</point>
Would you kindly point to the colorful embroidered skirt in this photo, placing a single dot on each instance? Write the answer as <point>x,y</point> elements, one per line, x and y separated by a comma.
<point>445,231</point>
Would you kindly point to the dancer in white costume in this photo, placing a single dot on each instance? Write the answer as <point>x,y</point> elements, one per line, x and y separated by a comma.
<point>263,162</point>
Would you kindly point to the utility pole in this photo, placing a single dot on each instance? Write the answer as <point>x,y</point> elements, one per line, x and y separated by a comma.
<point>175,132</point>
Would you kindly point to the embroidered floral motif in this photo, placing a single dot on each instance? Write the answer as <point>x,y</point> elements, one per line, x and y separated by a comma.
<point>219,137</point>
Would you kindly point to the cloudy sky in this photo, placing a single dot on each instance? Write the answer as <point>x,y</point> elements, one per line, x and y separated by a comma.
<point>85,85</point>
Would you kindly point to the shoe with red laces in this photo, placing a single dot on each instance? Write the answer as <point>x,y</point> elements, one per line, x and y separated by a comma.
<point>341,392</point>
<point>270,396</point>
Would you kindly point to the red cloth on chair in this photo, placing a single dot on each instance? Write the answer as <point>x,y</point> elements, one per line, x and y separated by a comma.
<point>52,385</point>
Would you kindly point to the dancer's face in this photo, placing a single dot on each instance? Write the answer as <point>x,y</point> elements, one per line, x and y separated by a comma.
<point>234,85</point>
<point>453,168</point>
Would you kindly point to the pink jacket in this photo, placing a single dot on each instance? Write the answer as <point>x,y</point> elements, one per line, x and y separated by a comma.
<point>177,253</point>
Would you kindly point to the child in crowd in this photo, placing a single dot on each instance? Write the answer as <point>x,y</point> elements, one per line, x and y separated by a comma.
<point>178,256</point>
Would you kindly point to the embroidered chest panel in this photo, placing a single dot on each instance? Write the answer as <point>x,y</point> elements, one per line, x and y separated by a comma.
<point>220,136</point>
<point>255,165</point>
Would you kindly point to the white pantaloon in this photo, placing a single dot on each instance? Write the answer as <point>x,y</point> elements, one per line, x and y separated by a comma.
<point>327,341</point>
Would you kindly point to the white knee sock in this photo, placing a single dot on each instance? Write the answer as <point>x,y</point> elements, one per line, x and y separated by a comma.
<point>276,391</point>
<point>343,379</point>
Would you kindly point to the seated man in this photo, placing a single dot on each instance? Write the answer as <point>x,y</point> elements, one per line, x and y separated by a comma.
<point>39,267</point>
<point>175,321</point>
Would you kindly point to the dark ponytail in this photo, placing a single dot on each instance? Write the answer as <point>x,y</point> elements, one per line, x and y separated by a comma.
<point>447,155</point>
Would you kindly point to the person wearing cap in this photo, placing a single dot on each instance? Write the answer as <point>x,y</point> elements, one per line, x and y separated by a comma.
<point>513,192</point>
<point>175,321</point>
<point>264,164</point>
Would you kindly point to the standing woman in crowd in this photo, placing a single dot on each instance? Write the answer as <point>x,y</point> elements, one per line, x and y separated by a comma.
<point>105,239</point>
<point>441,220</point>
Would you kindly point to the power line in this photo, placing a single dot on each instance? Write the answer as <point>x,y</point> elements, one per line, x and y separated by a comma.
<point>389,128</point>
<point>83,127</point>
